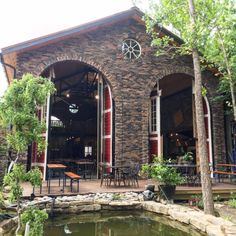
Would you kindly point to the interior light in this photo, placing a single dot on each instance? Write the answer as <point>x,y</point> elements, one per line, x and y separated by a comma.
<point>97,97</point>
<point>73,108</point>
<point>67,95</point>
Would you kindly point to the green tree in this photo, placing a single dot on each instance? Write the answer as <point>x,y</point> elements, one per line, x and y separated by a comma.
<point>13,180</point>
<point>220,45</point>
<point>18,112</point>
<point>187,17</point>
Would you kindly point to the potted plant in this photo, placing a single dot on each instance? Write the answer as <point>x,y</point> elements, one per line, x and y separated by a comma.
<point>166,176</point>
<point>188,157</point>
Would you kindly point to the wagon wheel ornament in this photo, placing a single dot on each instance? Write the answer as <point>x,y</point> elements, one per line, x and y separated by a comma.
<point>131,49</point>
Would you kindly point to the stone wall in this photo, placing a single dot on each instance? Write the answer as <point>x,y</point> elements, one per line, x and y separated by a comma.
<point>131,81</point>
<point>208,224</point>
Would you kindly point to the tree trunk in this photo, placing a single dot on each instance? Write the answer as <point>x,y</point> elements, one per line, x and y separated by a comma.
<point>201,136</point>
<point>18,216</point>
<point>201,130</point>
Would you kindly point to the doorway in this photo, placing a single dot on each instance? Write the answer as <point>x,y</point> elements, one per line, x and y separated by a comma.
<point>73,114</point>
<point>171,132</point>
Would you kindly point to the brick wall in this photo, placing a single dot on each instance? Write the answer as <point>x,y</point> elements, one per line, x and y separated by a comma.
<point>131,81</point>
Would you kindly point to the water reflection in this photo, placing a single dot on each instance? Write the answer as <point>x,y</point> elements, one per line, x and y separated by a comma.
<point>116,224</point>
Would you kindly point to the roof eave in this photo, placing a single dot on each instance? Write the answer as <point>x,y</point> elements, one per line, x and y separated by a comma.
<point>72,31</point>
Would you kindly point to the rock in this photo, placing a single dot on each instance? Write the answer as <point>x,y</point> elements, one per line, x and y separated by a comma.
<point>213,230</point>
<point>148,195</point>
<point>156,207</point>
<point>198,220</point>
<point>229,229</point>
<point>179,216</point>
<point>124,203</point>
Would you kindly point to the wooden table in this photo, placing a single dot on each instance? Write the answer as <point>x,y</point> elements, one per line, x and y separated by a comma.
<point>59,168</point>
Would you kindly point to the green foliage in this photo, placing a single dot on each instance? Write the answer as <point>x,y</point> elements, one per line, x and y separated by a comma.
<point>116,196</point>
<point>217,198</point>
<point>34,176</point>
<point>159,171</point>
<point>213,34</point>
<point>188,156</point>
<point>232,200</point>
<point>16,177</point>
<point>232,203</point>
<point>18,108</point>
<point>1,199</point>
<point>35,218</point>
<point>196,200</point>
<point>13,179</point>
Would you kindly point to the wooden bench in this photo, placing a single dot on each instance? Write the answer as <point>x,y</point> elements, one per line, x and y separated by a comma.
<point>73,177</point>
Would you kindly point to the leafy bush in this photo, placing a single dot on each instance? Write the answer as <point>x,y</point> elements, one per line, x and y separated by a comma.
<point>35,219</point>
<point>161,172</point>
<point>232,200</point>
<point>232,203</point>
<point>196,200</point>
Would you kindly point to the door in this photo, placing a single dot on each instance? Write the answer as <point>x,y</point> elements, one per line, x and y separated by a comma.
<point>107,124</point>
<point>155,123</point>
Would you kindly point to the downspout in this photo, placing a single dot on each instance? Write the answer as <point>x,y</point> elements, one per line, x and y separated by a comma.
<point>7,65</point>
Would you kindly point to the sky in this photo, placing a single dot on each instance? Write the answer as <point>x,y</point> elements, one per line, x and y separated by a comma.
<point>22,20</point>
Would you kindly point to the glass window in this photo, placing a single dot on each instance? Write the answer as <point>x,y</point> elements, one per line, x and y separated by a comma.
<point>87,151</point>
<point>131,49</point>
<point>55,122</point>
<point>153,115</point>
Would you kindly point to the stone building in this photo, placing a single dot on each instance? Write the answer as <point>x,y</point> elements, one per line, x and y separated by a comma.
<point>116,101</point>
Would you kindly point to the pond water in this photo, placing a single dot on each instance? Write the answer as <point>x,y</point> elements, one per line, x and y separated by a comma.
<point>115,223</point>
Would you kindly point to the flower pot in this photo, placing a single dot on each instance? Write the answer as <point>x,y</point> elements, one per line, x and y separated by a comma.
<point>150,187</point>
<point>167,192</point>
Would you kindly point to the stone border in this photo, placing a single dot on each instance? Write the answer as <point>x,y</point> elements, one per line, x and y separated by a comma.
<point>211,225</point>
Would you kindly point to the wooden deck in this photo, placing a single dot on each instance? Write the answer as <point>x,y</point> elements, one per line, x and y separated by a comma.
<point>93,186</point>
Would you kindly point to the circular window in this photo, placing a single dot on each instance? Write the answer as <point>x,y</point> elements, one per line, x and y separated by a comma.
<point>131,49</point>
<point>73,108</point>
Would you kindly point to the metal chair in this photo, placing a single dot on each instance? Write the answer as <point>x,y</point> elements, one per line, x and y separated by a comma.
<point>134,174</point>
<point>105,174</point>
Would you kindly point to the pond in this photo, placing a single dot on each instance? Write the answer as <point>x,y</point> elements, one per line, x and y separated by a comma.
<point>116,223</point>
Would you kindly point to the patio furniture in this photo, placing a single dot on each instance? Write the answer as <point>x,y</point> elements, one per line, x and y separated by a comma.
<point>73,178</point>
<point>134,174</point>
<point>225,170</point>
<point>85,168</point>
<point>106,175</point>
<point>52,168</point>
<point>120,174</point>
